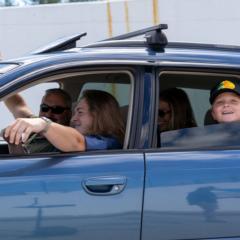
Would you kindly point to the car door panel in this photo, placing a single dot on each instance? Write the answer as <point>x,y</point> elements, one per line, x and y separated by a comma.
<point>192,195</point>
<point>44,198</point>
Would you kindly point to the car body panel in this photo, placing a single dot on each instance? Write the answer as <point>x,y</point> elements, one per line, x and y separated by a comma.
<point>192,195</point>
<point>43,197</point>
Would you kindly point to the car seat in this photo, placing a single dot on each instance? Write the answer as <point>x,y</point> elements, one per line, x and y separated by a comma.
<point>208,119</point>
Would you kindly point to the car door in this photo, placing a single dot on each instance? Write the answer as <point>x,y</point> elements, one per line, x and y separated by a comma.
<point>71,196</point>
<point>90,195</point>
<point>192,188</point>
<point>192,195</point>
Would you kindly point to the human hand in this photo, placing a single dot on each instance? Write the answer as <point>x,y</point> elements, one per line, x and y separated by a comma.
<point>21,129</point>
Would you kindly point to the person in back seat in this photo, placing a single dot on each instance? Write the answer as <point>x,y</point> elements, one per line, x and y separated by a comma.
<point>175,110</point>
<point>225,100</point>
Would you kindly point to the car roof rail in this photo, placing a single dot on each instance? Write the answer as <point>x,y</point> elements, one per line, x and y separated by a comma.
<point>60,44</point>
<point>155,39</point>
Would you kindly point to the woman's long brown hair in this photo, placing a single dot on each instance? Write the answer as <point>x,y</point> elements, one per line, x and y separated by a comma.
<point>107,117</point>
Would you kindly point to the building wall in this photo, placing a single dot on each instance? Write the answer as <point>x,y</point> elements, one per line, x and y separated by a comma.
<point>23,29</point>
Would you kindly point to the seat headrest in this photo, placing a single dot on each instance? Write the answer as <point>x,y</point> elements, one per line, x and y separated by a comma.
<point>208,119</point>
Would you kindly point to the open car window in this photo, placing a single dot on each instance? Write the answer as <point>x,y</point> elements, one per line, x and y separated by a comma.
<point>119,83</point>
<point>205,132</point>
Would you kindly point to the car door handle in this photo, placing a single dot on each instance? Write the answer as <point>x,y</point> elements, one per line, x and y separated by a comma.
<point>106,185</point>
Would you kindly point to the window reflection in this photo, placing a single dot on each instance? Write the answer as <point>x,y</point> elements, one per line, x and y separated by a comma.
<point>216,135</point>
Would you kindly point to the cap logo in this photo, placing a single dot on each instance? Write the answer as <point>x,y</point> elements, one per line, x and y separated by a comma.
<point>226,85</point>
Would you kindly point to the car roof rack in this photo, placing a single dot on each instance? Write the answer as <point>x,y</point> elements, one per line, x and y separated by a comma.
<point>155,38</point>
<point>60,44</point>
<point>157,28</point>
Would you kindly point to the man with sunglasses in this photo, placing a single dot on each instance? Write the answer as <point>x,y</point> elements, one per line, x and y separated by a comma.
<point>55,105</point>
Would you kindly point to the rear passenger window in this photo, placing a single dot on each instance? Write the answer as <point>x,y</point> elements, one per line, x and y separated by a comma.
<point>184,111</point>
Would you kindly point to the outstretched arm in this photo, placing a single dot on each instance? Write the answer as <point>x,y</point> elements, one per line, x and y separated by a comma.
<point>17,106</point>
<point>64,138</point>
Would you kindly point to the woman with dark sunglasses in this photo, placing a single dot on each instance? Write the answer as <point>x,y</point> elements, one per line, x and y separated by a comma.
<point>175,110</point>
<point>96,124</point>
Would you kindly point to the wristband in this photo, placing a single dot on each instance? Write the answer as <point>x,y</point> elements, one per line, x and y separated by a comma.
<point>48,123</point>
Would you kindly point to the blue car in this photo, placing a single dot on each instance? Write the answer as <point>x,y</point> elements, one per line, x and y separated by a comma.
<point>179,184</point>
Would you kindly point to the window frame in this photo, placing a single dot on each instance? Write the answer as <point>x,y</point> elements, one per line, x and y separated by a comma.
<point>60,75</point>
<point>202,71</point>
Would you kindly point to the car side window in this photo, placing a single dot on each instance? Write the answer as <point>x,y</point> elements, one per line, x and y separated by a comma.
<point>204,132</point>
<point>119,83</point>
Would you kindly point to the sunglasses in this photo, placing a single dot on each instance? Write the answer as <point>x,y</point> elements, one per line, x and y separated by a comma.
<point>54,109</point>
<point>162,113</point>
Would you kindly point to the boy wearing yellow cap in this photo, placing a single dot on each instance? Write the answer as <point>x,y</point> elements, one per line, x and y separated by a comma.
<point>225,100</point>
